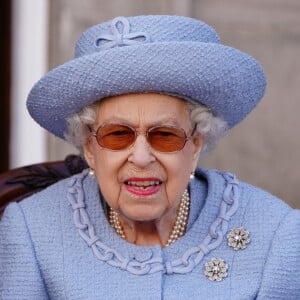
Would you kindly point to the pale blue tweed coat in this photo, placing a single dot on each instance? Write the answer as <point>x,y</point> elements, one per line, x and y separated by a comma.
<point>58,244</point>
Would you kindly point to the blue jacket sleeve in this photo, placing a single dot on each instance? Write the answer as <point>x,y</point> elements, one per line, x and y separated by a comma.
<point>281,277</point>
<point>20,277</point>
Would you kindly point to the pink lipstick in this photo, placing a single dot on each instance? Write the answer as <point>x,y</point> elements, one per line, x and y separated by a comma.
<point>143,186</point>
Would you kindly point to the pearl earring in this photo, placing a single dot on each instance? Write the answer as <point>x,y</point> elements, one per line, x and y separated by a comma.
<point>91,172</point>
<point>192,175</point>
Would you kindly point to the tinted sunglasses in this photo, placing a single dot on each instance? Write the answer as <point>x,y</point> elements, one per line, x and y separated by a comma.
<point>160,138</point>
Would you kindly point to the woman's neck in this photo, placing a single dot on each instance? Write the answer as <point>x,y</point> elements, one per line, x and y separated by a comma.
<point>163,231</point>
<point>147,233</point>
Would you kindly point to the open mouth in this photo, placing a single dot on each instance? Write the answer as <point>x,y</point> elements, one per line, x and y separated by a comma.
<point>143,185</point>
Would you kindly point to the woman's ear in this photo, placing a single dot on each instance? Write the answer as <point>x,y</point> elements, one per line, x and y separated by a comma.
<point>89,153</point>
<point>198,143</point>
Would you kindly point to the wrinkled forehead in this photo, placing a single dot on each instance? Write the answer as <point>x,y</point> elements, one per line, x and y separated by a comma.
<point>143,110</point>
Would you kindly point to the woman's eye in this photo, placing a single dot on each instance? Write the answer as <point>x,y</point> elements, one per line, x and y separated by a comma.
<point>115,131</point>
<point>164,133</point>
<point>119,132</point>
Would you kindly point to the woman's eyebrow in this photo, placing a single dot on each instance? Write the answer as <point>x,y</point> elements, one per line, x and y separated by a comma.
<point>164,121</point>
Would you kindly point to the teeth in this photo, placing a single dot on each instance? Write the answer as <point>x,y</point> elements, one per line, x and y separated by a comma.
<point>143,183</point>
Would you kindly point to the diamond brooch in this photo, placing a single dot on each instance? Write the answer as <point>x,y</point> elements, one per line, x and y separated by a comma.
<point>238,238</point>
<point>216,269</point>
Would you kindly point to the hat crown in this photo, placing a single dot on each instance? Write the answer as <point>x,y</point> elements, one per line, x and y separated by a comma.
<point>136,30</point>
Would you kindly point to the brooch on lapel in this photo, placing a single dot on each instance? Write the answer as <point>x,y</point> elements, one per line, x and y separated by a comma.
<point>216,269</point>
<point>238,238</point>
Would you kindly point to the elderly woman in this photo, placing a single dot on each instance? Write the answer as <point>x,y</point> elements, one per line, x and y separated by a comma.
<point>143,99</point>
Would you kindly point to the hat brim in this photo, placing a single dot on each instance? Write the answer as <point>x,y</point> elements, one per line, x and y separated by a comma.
<point>226,80</point>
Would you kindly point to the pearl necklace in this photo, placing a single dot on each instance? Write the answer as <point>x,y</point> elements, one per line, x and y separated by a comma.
<point>178,229</point>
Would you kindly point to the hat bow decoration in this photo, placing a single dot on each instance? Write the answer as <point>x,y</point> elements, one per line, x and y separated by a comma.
<point>120,36</point>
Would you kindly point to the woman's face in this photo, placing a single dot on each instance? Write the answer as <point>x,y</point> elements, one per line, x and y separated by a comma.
<point>141,183</point>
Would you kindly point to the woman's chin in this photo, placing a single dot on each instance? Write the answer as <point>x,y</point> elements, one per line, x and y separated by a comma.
<point>142,215</point>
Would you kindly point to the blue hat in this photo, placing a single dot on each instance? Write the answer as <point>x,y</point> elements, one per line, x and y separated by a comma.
<point>167,54</point>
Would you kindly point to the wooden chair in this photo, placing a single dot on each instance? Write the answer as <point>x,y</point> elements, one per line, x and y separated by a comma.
<point>16,184</point>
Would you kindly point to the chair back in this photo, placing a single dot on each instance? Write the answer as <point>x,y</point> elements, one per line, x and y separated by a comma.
<point>19,183</point>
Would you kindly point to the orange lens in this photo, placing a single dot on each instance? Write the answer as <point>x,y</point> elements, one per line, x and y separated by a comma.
<point>166,139</point>
<point>115,137</point>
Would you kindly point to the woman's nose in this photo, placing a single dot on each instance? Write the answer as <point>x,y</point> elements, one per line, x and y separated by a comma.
<point>141,153</point>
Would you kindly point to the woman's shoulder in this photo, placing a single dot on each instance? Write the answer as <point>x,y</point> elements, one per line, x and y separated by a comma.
<point>46,202</point>
<point>256,209</point>
<point>48,197</point>
<point>260,203</point>
<point>250,196</point>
